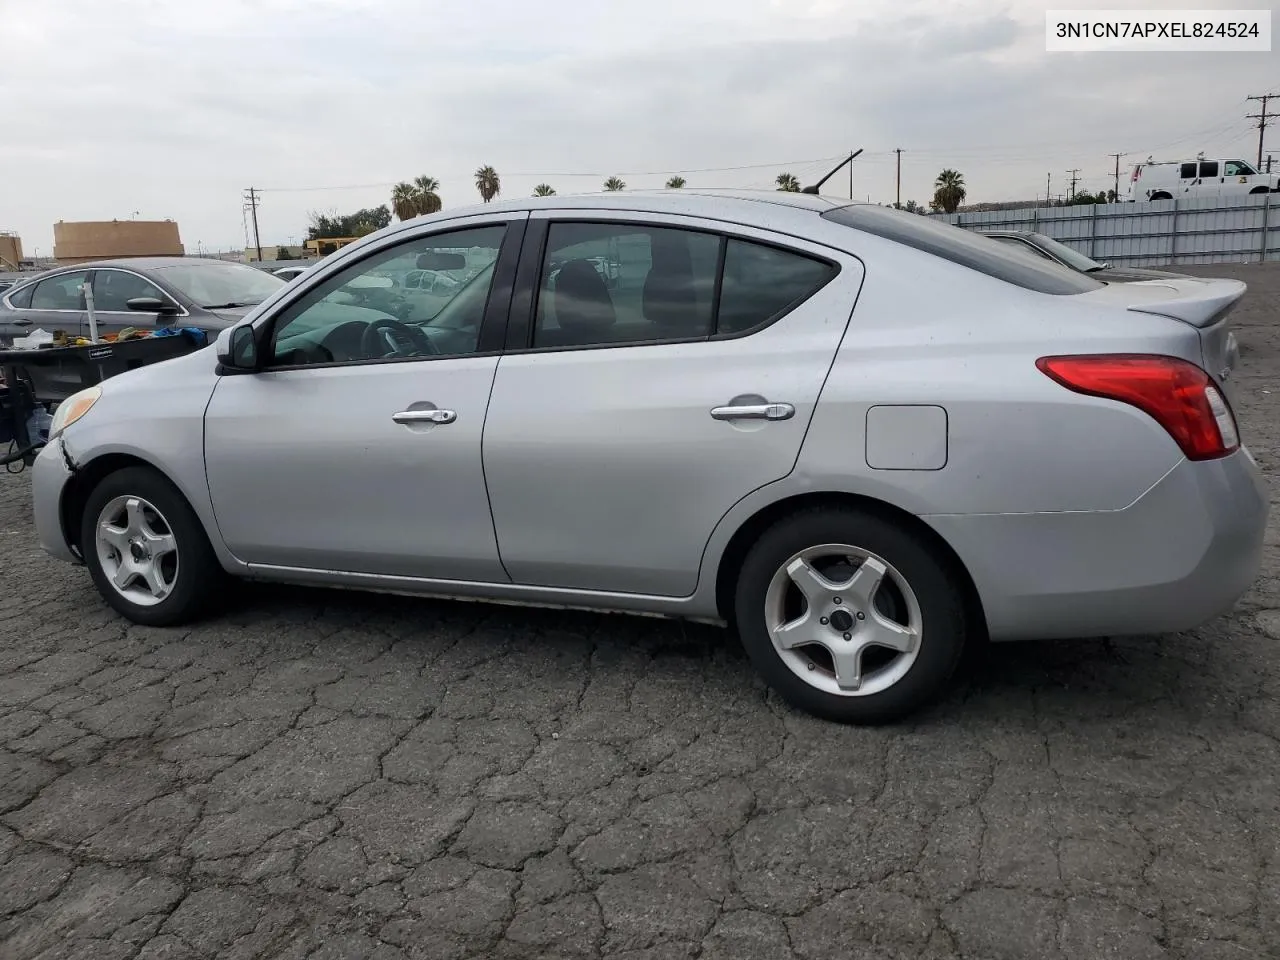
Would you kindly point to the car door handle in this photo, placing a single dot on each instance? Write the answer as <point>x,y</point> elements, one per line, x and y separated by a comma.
<point>24,322</point>
<point>755,411</point>
<point>424,416</point>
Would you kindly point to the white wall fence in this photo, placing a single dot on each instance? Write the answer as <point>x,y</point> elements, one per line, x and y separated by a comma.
<point>1163,232</point>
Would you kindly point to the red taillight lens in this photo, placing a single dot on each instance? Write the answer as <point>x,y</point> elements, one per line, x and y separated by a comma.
<point>1176,394</point>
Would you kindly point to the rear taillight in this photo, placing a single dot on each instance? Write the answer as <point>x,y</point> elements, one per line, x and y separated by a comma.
<point>1176,394</point>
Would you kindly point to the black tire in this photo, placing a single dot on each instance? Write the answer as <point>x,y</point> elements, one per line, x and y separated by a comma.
<point>943,614</point>
<point>198,577</point>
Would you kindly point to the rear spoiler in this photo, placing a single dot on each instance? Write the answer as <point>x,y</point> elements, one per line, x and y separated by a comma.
<point>1197,302</point>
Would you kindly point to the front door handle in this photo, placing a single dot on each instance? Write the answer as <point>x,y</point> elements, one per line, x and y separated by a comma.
<point>424,416</point>
<point>23,322</point>
<point>754,411</point>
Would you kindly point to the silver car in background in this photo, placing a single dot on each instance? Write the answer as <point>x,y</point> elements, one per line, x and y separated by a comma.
<point>862,438</point>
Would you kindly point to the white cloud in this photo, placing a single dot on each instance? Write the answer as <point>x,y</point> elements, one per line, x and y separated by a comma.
<point>173,108</point>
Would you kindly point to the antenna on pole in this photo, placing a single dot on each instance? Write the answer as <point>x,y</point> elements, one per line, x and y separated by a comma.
<point>834,170</point>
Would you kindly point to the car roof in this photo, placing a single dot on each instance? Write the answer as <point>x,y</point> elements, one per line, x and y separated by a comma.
<point>742,206</point>
<point>148,263</point>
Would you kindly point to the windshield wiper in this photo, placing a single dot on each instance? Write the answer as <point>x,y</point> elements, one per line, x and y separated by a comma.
<point>230,303</point>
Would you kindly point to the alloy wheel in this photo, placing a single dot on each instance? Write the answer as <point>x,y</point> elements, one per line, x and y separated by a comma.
<point>137,550</point>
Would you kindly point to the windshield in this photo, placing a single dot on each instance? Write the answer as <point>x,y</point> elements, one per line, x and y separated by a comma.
<point>1071,257</point>
<point>963,247</point>
<point>212,285</point>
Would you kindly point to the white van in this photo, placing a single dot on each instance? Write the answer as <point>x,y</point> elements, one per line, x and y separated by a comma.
<point>1199,178</point>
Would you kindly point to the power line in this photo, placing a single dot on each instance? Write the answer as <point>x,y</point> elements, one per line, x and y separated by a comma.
<point>612,173</point>
<point>1074,171</point>
<point>1117,187</point>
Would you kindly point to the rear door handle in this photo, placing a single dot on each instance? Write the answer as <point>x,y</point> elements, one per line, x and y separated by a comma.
<point>424,416</point>
<point>755,411</point>
<point>23,322</point>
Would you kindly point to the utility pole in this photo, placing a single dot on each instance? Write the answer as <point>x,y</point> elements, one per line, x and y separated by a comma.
<point>1074,180</point>
<point>1048,180</point>
<point>898,196</point>
<point>1117,156</point>
<point>1262,119</point>
<point>252,199</point>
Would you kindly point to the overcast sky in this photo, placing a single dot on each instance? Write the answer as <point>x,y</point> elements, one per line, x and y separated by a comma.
<point>169,108</point>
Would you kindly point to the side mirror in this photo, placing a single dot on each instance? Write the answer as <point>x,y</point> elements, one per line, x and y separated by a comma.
<point>152,305</point>
<point>237,348</point>
<point>435,260</point>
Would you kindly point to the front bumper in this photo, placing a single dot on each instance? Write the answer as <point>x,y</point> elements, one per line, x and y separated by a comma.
<point>1180,555</point>
<point>50,475</point>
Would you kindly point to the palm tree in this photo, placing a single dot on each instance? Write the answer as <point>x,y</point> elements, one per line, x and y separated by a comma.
<point>787,183</point>
<point>544,190</point>
<point>428,194</point>
<point>488,183</point>
<point>614,184</point>
<point>675,183</point>
<point>404,201</point>
<point>949,192</point>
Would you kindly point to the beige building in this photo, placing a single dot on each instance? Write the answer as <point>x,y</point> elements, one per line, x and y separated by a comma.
<point>77,241</point>
<point>10,250</point>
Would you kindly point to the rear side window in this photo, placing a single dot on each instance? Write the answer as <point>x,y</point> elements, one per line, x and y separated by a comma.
<point>1188,171</point>
<point>22,299</point>
<point>960,246</point>
<point>1208,168</point>
<point>761,283</point>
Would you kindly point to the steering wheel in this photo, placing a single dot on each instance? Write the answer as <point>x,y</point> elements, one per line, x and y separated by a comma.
<point>387,332</point>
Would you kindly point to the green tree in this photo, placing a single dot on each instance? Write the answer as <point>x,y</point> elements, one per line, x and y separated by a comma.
<point>949,191</point>
<point>614,184</point>
<point>787,183</point>
<point>332,225</point>
<point>284,253</point>
<point>428,195</point>
<point>675,183</point>
<point>912,207</point>
<point>488,183</point>
<point>544,190</point>
<point>404,201</point>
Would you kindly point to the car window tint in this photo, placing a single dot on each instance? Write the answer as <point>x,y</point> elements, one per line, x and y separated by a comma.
<point>1208,168</point>
<point>63,292</point>
<point>1188,171</point>
<point>622,283</point>
<point>761,283</point>
<point>113,289</point>
<point>963,247</point>
<point>441,316</point>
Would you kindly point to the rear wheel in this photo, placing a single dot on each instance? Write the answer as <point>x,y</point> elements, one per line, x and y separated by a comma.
<point>146,550</point>
<point>850,616</point>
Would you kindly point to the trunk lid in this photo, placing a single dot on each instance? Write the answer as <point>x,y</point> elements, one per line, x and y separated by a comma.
<point>1201,303</point>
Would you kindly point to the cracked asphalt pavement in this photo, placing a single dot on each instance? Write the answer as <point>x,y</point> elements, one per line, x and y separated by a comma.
<point>333,776</point>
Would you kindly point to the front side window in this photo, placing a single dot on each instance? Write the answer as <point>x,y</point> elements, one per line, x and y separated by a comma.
<point>113,289</point>
<point>1238,168</point>
<point>368,311</point>
<point>63,292</point>
<point>621,283</point>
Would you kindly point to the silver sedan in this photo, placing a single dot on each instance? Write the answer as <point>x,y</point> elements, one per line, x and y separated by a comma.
<point>861,438</point>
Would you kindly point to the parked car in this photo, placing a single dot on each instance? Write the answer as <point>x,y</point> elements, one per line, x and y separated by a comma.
<point>863,438</point>
<point>1199,178</point>
<point>136,292</point>
<point>288,273</point>
<point>1039,245</point>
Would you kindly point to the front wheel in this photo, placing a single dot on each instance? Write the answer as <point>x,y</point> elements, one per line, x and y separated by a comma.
<point>850,616</point>
<point>146,550</point>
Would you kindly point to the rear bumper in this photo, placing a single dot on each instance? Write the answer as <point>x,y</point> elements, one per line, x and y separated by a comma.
<point>1180,555</point>
<point>49,477</point>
